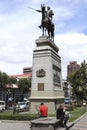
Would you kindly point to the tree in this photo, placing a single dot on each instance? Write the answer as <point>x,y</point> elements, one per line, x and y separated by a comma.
<point>78,80</point>
<point>24,84</point>
<point>12,80</point>
<point>3,79</point>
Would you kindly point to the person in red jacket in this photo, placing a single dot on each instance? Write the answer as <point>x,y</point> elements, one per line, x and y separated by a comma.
<point>43,109</point>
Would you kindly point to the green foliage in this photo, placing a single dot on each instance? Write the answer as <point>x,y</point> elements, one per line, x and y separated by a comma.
<point>12,80</point>
<point>78,80</point>
<point>24,84</point>
<point>23,117</point>
<point>3,79</point>
<point>70,107</point>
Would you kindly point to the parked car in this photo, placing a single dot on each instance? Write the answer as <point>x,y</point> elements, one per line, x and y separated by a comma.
<point>2,106</point>
<point>67,101</point>
<point>84,102</point>
<point>22,106</point>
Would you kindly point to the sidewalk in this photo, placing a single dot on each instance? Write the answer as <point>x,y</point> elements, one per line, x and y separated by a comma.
<point>80,124</point>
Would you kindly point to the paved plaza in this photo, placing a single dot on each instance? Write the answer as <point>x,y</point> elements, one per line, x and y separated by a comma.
<point>14,125</point>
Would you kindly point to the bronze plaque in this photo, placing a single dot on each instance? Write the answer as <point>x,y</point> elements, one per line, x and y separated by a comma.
<point>40,86</point>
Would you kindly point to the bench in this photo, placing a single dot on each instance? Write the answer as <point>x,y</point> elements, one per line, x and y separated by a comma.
<point>48,123</point>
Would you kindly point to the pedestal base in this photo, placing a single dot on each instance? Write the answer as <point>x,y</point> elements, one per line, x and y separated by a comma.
<point>45,124</point>
<point>52,104</point>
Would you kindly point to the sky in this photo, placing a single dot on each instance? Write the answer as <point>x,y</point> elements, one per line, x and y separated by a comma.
<point>19,30</point>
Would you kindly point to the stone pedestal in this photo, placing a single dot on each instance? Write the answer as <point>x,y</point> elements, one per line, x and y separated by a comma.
<point>45,124</point>
<point>46,76</point>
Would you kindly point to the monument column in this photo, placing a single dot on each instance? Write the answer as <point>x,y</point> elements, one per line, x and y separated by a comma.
<point>46,76</point>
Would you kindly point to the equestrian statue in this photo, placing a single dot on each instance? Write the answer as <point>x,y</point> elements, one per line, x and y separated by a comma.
<point>46,22</point>
<point>47,25</point>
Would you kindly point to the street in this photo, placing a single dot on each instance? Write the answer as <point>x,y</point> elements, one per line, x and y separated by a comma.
<point>14,125</point>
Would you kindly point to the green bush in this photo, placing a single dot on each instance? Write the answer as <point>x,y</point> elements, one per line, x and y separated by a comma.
<point>10,116</point>
<point>79,104</point>
<point>70,108</point>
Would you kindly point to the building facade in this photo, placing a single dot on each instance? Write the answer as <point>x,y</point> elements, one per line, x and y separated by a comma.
<point>72,67</point>
<point>27,70</point>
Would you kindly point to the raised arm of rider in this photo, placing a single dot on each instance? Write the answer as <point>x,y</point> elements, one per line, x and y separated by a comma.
<point>38,10</point>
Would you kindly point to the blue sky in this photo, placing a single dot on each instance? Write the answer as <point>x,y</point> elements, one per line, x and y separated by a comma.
<point>19,30</point>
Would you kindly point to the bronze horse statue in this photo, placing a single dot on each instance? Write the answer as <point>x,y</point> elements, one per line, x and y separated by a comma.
<point>46,24</point>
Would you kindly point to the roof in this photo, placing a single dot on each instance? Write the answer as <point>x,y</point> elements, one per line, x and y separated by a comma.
<point>22,75</point>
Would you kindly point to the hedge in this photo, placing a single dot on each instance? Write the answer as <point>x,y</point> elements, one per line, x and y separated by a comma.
<point>21,117</point>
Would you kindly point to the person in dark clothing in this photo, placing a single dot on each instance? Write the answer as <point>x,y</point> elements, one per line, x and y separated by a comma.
<point>61,114</point>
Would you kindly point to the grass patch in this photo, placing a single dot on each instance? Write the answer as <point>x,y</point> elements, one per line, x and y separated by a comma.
<point>21,117</point>
<point>76,113</point>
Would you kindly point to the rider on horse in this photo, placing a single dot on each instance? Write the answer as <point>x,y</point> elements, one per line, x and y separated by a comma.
<point>44,14</point>
<point>46,21</point>
<point>49,14</point>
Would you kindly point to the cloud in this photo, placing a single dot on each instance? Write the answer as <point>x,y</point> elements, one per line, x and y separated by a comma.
<point>72,47</point>
<point>72,39</point>
<point>19,30</point>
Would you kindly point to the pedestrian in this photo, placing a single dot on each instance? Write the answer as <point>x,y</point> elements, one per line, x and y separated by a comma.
<point>43,110</point>
<point>62,115</point>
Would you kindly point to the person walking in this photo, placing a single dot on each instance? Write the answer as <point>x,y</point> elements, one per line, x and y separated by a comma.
<point>61,114</point>
<point>43,110</point>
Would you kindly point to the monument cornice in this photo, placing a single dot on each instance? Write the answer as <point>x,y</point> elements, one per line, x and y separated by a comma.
<point>46,98</point>
<point>42,50</point>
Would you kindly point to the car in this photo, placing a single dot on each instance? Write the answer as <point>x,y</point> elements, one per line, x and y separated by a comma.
<point>67,101</point>
<point>22,106</point>
<point>2,105</point>
<point>84,103</point>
